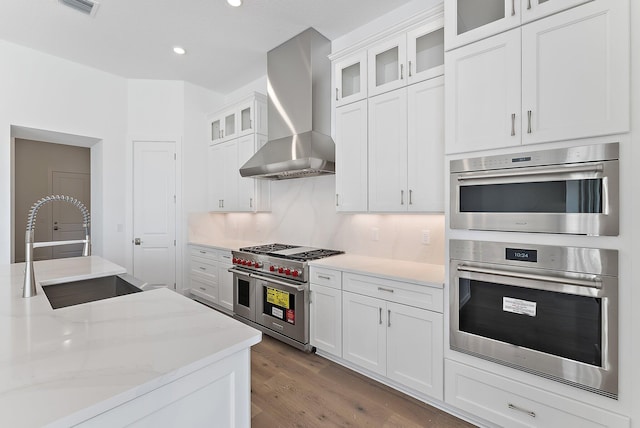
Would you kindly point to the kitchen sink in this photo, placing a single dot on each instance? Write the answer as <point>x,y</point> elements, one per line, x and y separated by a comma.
<point>89,290</point>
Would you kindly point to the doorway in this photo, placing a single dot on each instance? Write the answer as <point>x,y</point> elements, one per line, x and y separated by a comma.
<point>41,169</point>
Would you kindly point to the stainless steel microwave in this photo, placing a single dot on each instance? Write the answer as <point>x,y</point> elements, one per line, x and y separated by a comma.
<point>573,190</point>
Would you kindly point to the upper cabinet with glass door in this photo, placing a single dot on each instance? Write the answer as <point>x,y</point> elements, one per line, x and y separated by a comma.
<point>471,20</point>
<point>407,58</point>
<point>242,118</point>
<point>350,76</point>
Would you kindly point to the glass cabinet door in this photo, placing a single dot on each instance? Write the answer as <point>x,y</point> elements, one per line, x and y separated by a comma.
<point>216,130</point>
<point>246,119</point>
<point>350,76</point>
<point>229,130</point>
<point>387,66</point>
<point>467,21</point>
<point>425,52</point>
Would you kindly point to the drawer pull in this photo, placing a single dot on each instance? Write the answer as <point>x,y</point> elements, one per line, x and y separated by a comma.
<point>324,277</point>
<point>520,409</point>
<point>389,290</point>
<point>203,252</point>
<point>202,288</point>
<point>203,268</point>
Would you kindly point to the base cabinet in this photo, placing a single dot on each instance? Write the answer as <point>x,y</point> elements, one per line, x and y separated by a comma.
<point>325,322</point>
<point>209,279</point>
<point>508,403</point>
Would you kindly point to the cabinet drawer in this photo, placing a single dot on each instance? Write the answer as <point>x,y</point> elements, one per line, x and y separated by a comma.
<point>203,253</point>
<point>224,257</point>
<point>395,291</point>
<point>204,290</point>
<point>205,273</point>
<point>510,403</point>
<point>327,277</point>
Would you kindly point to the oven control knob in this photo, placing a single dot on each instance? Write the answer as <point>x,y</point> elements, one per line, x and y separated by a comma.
<point>272,268</point>
<point>280,270</point>
<point>295,273</point>
<point>235,261</point>
<point>257,264</point>
<point>244,262</point>
<point>287,271</point>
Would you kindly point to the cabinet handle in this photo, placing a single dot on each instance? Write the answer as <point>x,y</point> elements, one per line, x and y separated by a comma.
<point>513,7</point>
<point>324,277</point>
<point>388,317</point>
<point>380,316</point>
<point>528,4</point>
<point>513,124</point>
<point>336,199</point>
<point>203,268</point>
<point>410,197</point>
<point>402,197</point>
<point>409,69</point>
<point>250,202</point>
<point>202,288</point>
<point>336,94</point>
<point>250,123</point>
<point>529,121</point>
<point>520,409</point>
<point>203,252</point>
<point>401,71</point>
<point>389,290</point>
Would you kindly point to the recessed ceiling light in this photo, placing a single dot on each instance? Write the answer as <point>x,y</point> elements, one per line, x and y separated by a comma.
<point>179,50</point>
<point>234,3</point>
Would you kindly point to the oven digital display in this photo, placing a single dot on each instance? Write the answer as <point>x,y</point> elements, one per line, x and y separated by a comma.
<point>522,255</point>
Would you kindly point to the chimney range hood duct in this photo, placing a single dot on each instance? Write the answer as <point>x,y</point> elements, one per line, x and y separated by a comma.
<point>299,111</point>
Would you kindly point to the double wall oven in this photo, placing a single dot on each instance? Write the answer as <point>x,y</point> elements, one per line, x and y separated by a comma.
<point>271,290</point>
<point>548,310</point>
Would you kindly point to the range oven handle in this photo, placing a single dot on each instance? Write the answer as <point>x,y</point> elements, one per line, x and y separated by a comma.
<point>239,272</point>
<point>533,171</point>
<point>276,281</point>
<point>596,282</point>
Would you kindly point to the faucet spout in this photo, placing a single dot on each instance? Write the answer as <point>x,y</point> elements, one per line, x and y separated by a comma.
<point>29,289</point>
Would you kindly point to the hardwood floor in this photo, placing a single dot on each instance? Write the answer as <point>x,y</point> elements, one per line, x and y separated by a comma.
<point>290,388</point>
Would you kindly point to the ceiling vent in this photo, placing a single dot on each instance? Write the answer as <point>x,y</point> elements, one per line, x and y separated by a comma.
<point>87,7</point>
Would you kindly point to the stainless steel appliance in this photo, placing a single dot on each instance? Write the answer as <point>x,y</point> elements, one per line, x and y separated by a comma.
<point>551,311</point>
<point>271,289</point>
<point>572,190</point>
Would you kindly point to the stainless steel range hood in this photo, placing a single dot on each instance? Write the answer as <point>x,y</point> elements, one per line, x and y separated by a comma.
<point>299,111</point>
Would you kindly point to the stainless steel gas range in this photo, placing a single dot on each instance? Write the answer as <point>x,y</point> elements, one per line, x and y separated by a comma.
<point>271,289</point>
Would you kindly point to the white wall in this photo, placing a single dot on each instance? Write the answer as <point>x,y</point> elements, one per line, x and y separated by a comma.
<point>45,92</point>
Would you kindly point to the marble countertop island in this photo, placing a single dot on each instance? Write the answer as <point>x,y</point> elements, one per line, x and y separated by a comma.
<point>61,367</point>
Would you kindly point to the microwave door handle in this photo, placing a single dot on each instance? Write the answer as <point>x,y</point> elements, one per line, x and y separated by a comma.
<point>275,281</point>
<point>596,282</point>
<point>528,172</point>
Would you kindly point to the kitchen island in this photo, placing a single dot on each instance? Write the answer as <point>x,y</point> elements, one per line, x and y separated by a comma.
<point>155,358</point>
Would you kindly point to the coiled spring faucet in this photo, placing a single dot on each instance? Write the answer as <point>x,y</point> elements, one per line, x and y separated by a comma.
<point>29,289</point>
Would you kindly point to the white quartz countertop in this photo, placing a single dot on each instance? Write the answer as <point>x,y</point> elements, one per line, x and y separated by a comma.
<point>60,367</point>
<point>223,244</point>
<point>418,273</point>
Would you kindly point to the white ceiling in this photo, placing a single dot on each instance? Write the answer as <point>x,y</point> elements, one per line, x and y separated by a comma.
<point>226,46</point>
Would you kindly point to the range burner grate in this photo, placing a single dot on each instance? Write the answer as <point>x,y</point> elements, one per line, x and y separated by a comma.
<point>314,255</point>
<point>267,248</point>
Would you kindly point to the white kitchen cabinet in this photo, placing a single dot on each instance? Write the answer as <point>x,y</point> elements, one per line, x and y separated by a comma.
<point>244,117</point>
<point>325,305</point>
<point>425,146</point>
<point>209,279</point>
<point>223,176</point>
<point>225,280</point>
<point>425,51</point>
<point>406,149</point>
<point>562,77</point>
<point>386,65</point>
<point>482,87</point>
<point>387,329</point>
<point>511,403</point>
<point>364,332</point>
<point>253,195</point>
<point>388,151</point>
<point>468,21</point>
<point>350,77</point>
<point>351,157</point>
<point>575,73</point>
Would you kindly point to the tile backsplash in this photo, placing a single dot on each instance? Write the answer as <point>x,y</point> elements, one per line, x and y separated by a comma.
<point>303,212</point>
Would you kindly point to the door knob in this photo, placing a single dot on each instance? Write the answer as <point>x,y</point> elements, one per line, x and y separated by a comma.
<point>137,241</point>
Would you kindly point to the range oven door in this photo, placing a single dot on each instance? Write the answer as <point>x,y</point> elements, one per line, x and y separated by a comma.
<point>507,194</point>
<point>558,325</point>
<point>244,295</point>
<point>283,307</point>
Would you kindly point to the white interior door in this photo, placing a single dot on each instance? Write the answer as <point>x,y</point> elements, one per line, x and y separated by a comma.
<point>154,213</point>
<point>66,220</point>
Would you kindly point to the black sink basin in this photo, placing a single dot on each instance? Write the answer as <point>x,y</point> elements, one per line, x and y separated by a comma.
<point>90,290</point>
